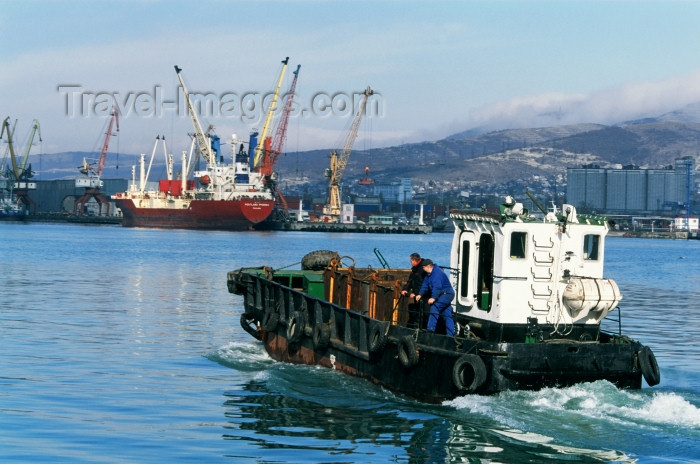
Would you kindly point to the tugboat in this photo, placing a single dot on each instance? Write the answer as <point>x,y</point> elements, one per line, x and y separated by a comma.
<point>529,300</point>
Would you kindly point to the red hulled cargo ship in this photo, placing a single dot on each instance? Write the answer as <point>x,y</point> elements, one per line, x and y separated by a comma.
<point>223,196</point>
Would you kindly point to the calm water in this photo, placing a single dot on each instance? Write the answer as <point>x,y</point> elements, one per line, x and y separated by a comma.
<point>123,346</point>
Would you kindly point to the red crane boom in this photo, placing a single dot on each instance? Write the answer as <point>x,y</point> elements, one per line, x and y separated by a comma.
<point>93,177</point>
<point>103,155</point>
<point>273,148</point>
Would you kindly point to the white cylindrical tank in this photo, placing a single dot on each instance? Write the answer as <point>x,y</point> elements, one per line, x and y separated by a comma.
<point>584,296</point>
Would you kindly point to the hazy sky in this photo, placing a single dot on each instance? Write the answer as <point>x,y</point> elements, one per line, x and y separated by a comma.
<point>438,67</point>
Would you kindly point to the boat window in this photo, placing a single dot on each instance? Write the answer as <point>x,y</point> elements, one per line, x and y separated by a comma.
<point>485,277</point>
<point>517,244</point>
<point>464,281</point>
<point>590,246</point>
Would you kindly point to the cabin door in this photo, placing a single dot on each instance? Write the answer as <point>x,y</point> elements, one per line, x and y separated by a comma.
<point>466,264</point>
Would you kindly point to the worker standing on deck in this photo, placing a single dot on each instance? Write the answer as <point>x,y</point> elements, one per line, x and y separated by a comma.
<point>412,288</point>
<point>436,286</point>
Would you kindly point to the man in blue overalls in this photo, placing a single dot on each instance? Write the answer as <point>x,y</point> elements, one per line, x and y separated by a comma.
<point>436,286</point>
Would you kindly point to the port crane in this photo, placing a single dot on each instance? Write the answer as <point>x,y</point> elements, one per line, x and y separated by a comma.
<point>331,211</point>
<point>203,138</point>
<point>273,148</point>
<point>92,176</point>
<point>20,173</point>
<point>273,104</point>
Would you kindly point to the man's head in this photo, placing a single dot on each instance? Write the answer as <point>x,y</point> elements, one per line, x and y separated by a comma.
<point>427,265</point>
<point>415,259</point>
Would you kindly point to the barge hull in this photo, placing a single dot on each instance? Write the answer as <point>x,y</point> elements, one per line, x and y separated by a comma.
<point>288,332</point>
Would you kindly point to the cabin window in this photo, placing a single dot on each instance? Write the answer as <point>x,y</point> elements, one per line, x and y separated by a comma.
<point>485,276</point>
<point>517,244</point>
<point>464,281</point>
<point>591,246</point>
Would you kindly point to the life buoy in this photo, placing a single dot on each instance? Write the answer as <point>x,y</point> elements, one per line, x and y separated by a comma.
<point>321,336</point>
<point>408,355</point>
<point>295,328</point>
<point>469,373</point>
<point>270,320</point>
<point>377,337</point>
<point>649,366</point>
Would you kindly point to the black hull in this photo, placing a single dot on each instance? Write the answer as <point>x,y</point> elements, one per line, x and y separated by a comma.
<point>298,328</point>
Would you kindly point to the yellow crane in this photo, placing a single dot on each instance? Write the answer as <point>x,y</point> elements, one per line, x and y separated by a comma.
<point>331,211</point>
<point>270,112</point>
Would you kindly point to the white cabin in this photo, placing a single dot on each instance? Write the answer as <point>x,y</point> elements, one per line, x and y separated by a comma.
<point>513,268</point>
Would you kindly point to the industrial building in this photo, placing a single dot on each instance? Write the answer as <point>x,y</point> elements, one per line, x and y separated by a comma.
<point>632,190</point>
<point>59,196</point>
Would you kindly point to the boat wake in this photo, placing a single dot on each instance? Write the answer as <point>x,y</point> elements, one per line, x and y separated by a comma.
<point>241,356</point>
<point>586,415</point>
<point>597,400</point>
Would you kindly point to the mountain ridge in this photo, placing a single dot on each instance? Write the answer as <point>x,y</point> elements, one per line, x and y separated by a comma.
<point>466,157</point>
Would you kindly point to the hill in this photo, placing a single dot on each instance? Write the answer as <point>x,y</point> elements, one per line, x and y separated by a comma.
<point>467,157</point>
<point>502,156</point>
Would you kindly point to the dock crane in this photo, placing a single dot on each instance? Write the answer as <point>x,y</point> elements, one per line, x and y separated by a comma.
<point>92,180</point>
<point>21,173</point>
<point>331,211</point>
<point>203,139</point>
<point>273,148</point>
<point>273,104</point>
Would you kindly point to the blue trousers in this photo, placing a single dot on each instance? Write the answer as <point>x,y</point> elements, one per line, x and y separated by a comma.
<point>442,308</point>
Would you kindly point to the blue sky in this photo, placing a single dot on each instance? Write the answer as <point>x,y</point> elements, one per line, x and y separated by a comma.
<point>438,67</point>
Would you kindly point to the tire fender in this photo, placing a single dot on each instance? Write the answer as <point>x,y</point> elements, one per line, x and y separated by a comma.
<point>270,320</point>
<point>469,373</point>
<point>295,327</point>
<point>321,336</point>
<point>317,260</point>
<point>408,354</point>
<point>649,366</point>
<point>377,338</point>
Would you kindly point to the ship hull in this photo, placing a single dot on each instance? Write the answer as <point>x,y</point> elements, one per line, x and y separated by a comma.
<point>298,327</point>
<point>199,214</point>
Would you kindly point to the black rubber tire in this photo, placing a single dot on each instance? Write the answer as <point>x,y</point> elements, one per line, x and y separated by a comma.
<point>469,373</point>
<point>321,336</point>
<point>317,260</point>
<point>295,328</point>
<point>377,337</point>
<point>270,320</point>
<point>649,366</point>
<point>408,355</point>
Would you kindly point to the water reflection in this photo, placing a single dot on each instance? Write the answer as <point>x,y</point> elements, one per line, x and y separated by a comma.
<point>313,429</point>
<point>288,422</point>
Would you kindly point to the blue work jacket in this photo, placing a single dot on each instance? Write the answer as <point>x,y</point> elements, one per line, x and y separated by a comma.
<point>436,285</point>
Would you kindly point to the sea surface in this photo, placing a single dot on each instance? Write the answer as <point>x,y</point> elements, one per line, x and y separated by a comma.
<point>123,346</point>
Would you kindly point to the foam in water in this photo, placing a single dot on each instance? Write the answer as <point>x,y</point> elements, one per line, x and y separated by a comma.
<point>666,408</point>
<point>598,400</point>
<point>241,355</point>
<point>535,438</point>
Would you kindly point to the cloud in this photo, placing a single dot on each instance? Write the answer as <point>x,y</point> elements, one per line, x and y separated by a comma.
<point>608,106</point>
